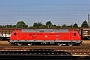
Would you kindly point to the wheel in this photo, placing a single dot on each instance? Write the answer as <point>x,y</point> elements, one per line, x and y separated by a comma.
<point>78,44</point>
<point>59,44</point>
<point>19,44</point>
<point>70,44</point>
<point>29,44</point>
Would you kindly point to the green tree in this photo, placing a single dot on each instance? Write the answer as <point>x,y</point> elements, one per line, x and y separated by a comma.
<point>38,25</point>
<point>75,25</point>
<point>14,26</point>
<point>85,24</point>
<point>53,26</point>
<point>35,25</point>
<point>31,27</point>
<point>8,26</point>
<point>48,24</point>
<point>21,24</point>
<point>64,26</point>
<point>58,26</point>
<point>1,26</point>
<point>69,26</point>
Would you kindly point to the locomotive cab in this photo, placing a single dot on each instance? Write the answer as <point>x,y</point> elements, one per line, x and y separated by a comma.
<point>75,37</point>
<point>14,36</point>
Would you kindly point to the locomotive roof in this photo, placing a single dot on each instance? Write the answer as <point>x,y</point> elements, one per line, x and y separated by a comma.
<point>45,30</point>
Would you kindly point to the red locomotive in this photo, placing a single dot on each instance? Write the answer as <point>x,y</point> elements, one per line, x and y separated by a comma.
<point>45,36</point>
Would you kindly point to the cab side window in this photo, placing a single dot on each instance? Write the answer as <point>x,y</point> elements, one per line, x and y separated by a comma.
<point>74,34</point>
<point>14,33</point>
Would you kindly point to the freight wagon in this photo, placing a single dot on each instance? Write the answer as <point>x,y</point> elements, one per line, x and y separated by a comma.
<point>85,34</point>
<point>45,36</point>
<point>6,32</point>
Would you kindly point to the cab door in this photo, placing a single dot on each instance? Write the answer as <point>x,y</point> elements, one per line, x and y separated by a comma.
<point>71,36</point>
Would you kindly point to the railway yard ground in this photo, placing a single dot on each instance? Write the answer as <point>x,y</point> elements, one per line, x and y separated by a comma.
<point>47,50</point>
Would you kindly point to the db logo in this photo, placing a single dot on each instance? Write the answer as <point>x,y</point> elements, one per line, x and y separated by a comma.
<point>46,36</point>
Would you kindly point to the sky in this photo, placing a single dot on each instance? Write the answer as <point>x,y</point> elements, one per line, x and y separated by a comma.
<point>59,12</point>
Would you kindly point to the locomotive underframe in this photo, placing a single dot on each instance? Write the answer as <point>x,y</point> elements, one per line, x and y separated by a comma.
<point>59,42</point>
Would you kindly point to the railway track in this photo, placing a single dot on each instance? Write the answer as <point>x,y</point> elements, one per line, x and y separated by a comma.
<point>50,50</point>
<point>44,47</point>
<point>45,50</point>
